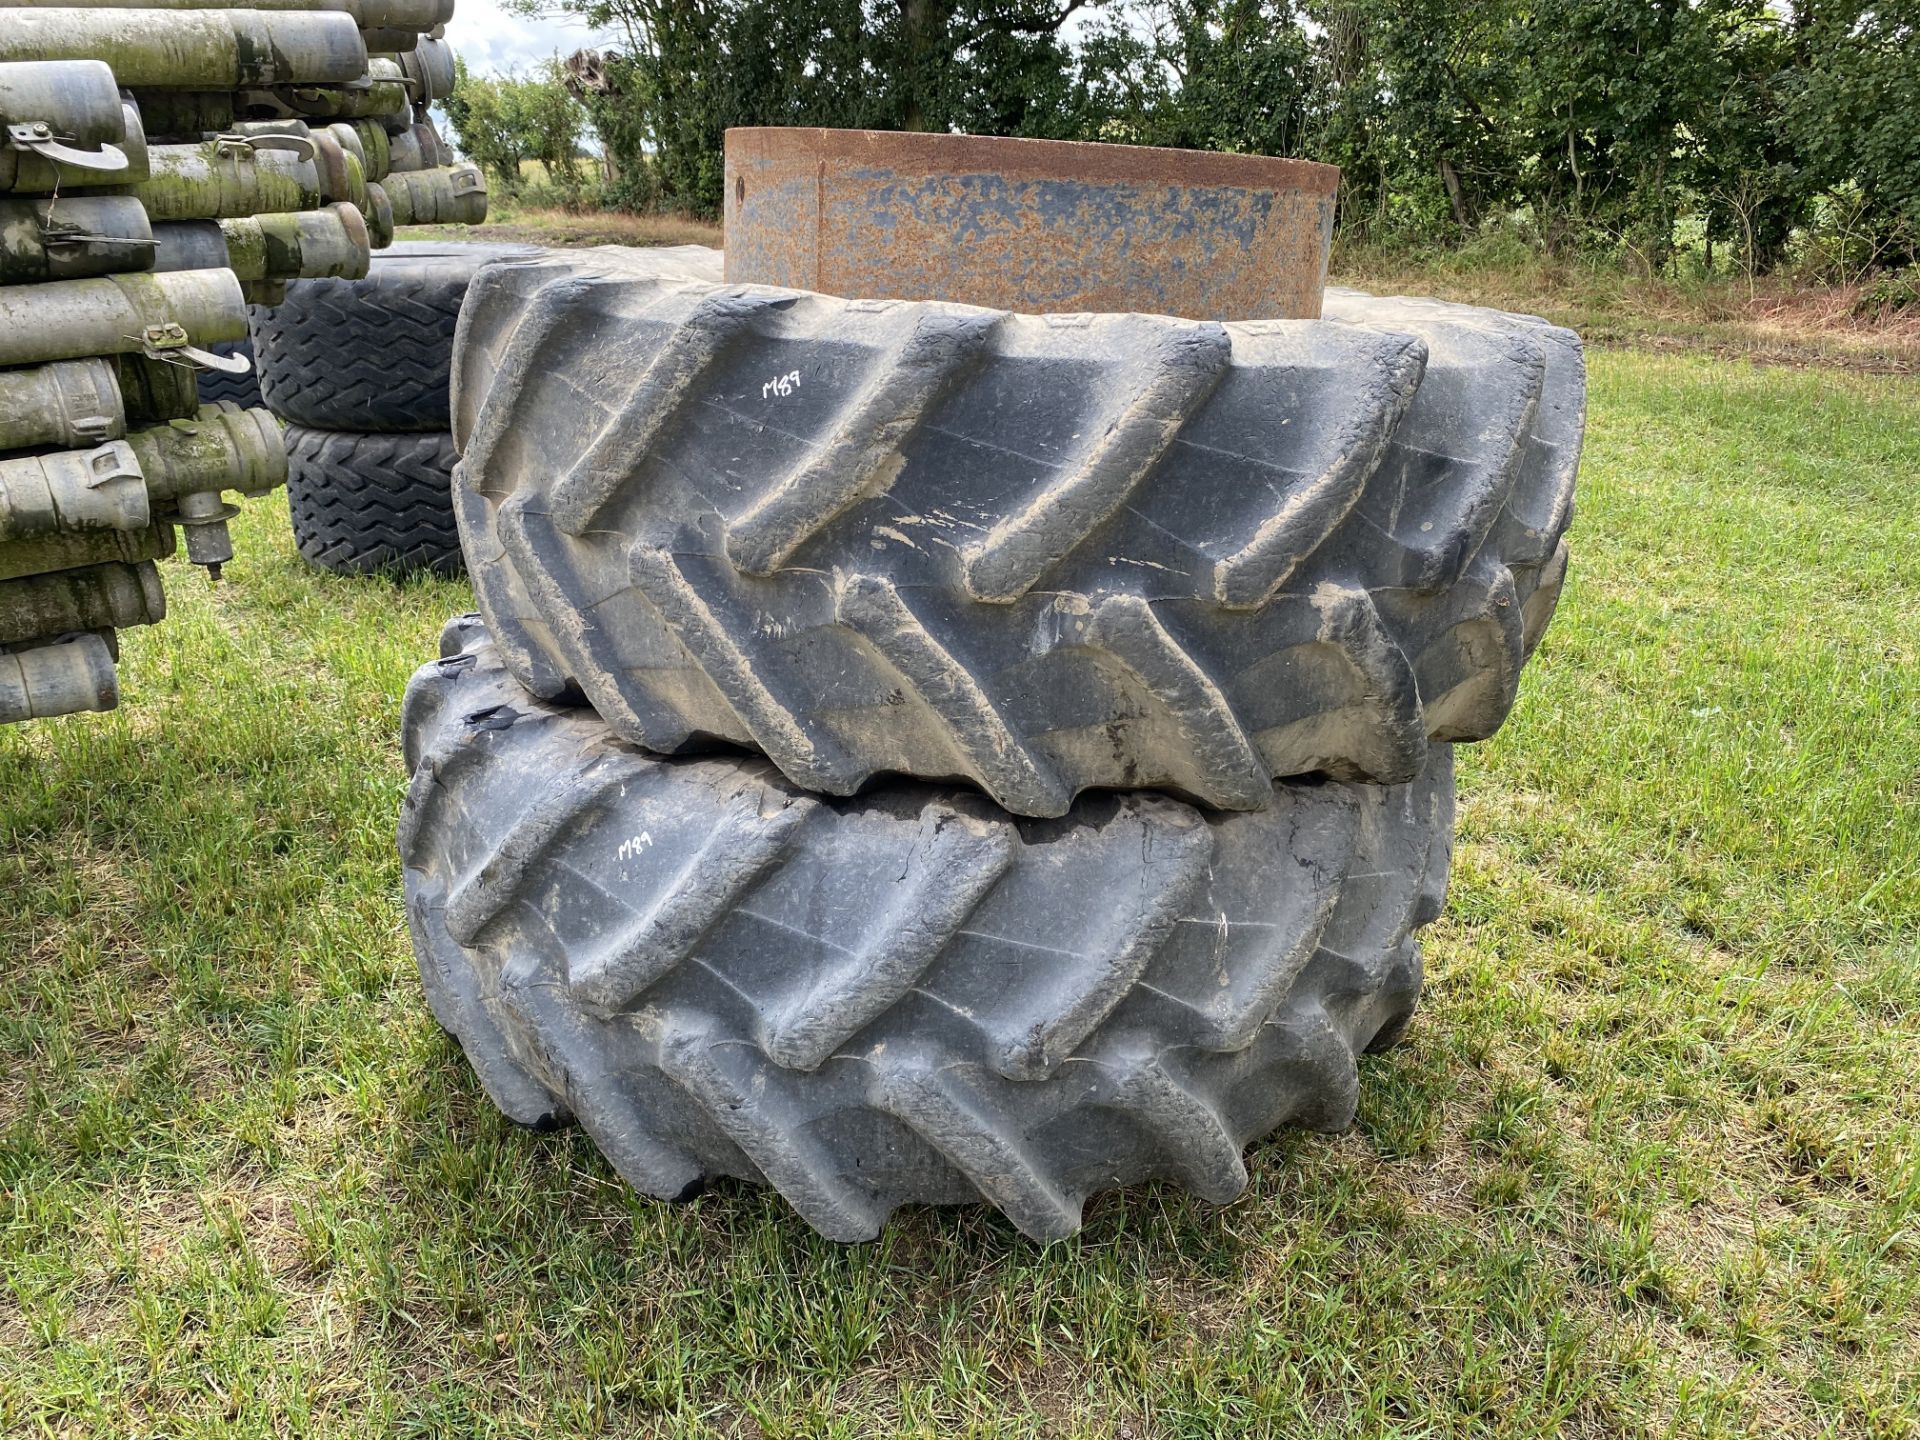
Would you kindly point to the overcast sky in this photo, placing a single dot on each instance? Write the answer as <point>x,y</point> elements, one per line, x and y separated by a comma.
<point>493,40</point>
<point>490,39</point>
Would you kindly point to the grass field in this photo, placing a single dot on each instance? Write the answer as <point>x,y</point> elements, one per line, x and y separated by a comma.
<point>1649,1161</point>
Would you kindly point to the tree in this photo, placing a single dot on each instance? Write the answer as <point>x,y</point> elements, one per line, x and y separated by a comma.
<point>502,121</point>
<point>1232,75</point>
<point>1600,123</point>
<point>482,125</point>
<point>1852,95</point>
<point>1419,102</point>
<point>1746,178</point>
<point>682,71</point>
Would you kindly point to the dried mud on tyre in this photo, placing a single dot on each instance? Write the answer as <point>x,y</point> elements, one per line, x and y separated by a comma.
<point>903,998</point>
<point>1037,554</point>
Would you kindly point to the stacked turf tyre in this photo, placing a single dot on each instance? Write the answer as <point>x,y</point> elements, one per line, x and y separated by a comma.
<point>1104,673</point>
<point>358,371</point>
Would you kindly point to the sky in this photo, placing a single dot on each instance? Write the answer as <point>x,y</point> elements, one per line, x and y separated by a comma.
<point>491,40</point>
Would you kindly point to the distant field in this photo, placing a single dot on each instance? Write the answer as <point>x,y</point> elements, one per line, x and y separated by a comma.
<point>1648,1162</point>
<point>561,227</point>
<point>1776,320</point>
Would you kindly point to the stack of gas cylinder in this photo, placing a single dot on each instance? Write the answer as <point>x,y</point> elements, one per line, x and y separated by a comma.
<point>163,167</point>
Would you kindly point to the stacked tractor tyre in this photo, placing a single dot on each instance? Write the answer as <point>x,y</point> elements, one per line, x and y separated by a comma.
<point>358,371</point>
<point>225,153</point>
<point>916,753</point>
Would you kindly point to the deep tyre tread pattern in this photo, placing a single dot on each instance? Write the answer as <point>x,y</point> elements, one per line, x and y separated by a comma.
<point>217,385</point>
<point>372,354</point>
<point>373,504</point>
<point>905,998</point>
<point>1037,554</point>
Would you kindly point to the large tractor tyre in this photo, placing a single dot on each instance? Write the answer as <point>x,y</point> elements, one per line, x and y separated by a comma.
<point>218,385</point>
<point>908,998</point>
<point>366,504</point>
<point>1036,553</point>
<point>370,354</point>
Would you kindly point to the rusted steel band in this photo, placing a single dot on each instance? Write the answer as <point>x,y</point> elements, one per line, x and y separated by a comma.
<point>1030,225</point>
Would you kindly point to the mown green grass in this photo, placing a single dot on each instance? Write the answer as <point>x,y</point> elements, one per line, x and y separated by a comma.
<point>1648,1162</point>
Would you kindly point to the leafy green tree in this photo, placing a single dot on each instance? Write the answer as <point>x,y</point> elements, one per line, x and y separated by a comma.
<point>1233,75</point>
<point>1744,176</point>
<point>501,121</point>
<point>479,112</point>
<point>1612,96</point>
<point>1599,123</point>
<point>1852,110</point>
<point>552,121</point>
<point>1417,107</point>
<point>682,71</point>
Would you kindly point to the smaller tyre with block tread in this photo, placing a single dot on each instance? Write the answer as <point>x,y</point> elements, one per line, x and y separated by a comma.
<point>373,504</point>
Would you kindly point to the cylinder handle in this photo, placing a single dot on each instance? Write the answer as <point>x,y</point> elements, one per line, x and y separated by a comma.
<point>169,343</point>
<point>300,145</point>
<point>37,136</point>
